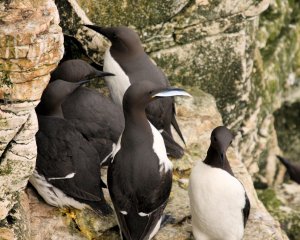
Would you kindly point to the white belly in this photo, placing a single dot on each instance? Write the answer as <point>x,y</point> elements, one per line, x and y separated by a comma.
<point>216,200</point>
<point>52,195</point>
<point>117,84</point>
<point>160,150</point>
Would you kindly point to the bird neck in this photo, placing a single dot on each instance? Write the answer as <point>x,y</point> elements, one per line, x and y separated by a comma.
<point>42,109</point>
<point>213,159</point>
<point>135,116</point>
<point>126,59</point>
<point>137,124</point>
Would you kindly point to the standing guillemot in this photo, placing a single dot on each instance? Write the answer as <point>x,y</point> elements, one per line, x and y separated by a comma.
<point>94,115</point>
<point>292,169</point>
<point>140,173</point>
<point>219,204</point>
<point>127,60</point>
<point>68,167</point>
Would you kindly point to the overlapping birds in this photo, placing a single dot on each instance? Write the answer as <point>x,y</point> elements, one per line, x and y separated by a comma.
<point>81,130</point>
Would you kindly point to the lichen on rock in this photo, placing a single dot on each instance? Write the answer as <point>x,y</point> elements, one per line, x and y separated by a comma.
<point>30,47</point>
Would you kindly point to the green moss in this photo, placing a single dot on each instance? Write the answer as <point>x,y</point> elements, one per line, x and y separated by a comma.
<point>269,199</point>
<point>214,65</point>
<point>287,126</point>
<point>5,80</point>
<point>289,222</point>
<point>5,170</point>
<point>129,12</point>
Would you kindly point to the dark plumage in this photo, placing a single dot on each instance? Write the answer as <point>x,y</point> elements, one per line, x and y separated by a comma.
<point>293,169</point>
<point>68,166</point>
<point>127,59</point>
<point>140,174</point>
<point>76,70</point>
<point>219,204</point>
<point>95,116</point>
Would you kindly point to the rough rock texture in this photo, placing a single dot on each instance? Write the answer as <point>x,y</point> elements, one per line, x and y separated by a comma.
<point>197,117</point>
<point>30,47</point>
<point>250,67</point>
<point>277,80</point>
<point>211,45</point>
<point>287,127</point>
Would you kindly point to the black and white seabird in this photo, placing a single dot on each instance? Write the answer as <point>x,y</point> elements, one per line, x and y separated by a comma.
<point>127,60</point>
<point>94,115</point>
<point>140,173</point>
<point>293,169</point>
<point>219,204</point>
<point>68,167</point>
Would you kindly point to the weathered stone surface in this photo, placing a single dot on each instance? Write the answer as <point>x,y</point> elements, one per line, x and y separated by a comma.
<point>287,126</point>
<point>283,202</point>
<point>30,48</point>
<point>124,12</point>
<point>220,46</point>
<point>72,18</point>
<point>197,116</point>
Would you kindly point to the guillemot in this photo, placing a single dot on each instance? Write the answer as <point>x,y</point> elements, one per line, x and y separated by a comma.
<point>293,169</point>
<point>93,114</point>
<point>68,167</point>
<point>127,60</point>
<point>140,173</point>
<point>219,204</point>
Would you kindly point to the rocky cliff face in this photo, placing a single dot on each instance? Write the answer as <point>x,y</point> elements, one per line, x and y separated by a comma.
<point>31,45</point>
<point>244,55</point>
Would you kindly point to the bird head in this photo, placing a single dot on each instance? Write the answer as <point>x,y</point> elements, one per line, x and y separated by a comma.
<point>54,95</point>
<point>140,94</point>
<point>123,39</point>
<point>221,138</point>
<point>76,70</point>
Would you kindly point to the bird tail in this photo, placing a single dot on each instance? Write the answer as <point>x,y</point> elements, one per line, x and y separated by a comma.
<point>284,161</point>
<point>173,148</point>
<point>101,208</point>
<point>176,127</point>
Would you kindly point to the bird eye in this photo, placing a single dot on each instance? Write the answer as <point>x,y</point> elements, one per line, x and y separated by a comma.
<point>114,35</point>
<point>215,139</point>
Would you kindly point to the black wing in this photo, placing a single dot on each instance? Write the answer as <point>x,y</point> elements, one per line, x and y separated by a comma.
<point>96,117</point>
<point>293,169</point>
<point>134,226</point>
<point>140,192</point>
<point>63,151</point>
<point>246,209</point>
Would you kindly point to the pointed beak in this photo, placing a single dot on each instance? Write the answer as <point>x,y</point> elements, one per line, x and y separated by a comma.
<point>222,159</point>
<point>98,73</point>
<point>103,31</point>
<point>170,92</point>
<point>103,74</point>
<point>84,81</point>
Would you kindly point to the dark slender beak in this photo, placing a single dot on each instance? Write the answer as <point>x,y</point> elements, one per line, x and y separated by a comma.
<point>170,92</point>
<point>103,74</point>
<point>222,159</point>
<point>103,31</point>
<point>98,73</point>
<point>84,81</point>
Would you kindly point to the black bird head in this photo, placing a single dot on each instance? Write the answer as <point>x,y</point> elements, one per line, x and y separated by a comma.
<point>139,94</point>
<point>123,39</point>
<point>221,138</point>
<point>76,70</point>
<point>54,95</point>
